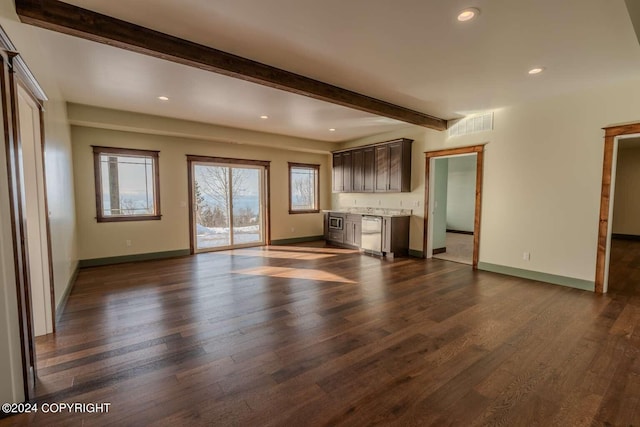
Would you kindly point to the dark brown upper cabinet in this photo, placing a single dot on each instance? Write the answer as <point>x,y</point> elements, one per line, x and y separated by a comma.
<point>363,168</point>
<point>381,168</point>
<point>342,175</point>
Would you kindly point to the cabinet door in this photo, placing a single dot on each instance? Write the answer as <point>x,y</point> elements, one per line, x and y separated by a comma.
<point>349,236</point>
<point>369,170</point>
<point>347,178</point>
<point>382,168</point>
<point>395,167</point>
<point>326,226</point>
<point>338,184</point>
<point>357,169</point>
<point>386,234</point>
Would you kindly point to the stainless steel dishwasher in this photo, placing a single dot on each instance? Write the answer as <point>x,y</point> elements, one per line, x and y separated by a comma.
<point>372,234</point>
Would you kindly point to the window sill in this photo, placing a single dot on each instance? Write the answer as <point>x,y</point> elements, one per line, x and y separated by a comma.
<point>304,212</point>
<point>129,218</point>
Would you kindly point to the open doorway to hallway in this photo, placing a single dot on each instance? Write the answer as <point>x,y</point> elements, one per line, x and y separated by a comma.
<point>430,240</point>
<point>454,208</point>
<point>624,271</point>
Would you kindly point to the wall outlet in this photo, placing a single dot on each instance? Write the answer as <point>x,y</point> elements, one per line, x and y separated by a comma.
<point>354,202</point>
<point>128,243</point>
<point>416,203</point>
<point>379,202</point>
<point>526,256</point>
<point>293,229</point>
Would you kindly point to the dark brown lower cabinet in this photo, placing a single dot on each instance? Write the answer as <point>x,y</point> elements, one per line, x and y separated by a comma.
<point>353,230</point>
<point>395,235</point>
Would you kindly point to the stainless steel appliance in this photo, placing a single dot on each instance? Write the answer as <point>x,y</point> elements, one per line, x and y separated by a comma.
<point>372,233</point>
<point>335,222</point>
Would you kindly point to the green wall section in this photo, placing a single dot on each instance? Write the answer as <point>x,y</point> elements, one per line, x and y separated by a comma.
<point>95,262</point>
<point>541,277</point>
<point>441,178</point>
<point>296,240</point>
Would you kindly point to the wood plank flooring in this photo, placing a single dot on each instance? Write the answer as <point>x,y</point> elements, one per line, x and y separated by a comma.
<point>308,336</point>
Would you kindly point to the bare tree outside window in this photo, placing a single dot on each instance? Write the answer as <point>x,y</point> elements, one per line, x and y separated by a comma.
<point>215,183</point>
<point>227,205</point>
<point>303,188</point>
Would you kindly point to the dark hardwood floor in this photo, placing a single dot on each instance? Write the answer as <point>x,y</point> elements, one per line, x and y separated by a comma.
<point>307,335</point>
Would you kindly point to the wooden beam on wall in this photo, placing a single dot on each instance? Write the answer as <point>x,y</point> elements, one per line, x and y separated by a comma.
<point>69,19</point>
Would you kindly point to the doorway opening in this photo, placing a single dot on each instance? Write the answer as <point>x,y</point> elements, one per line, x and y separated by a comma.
<point>228,203</point>
<point>453,198</point>
<point>35,213</point>
<point>27,205</point>
<point>453,208</point>
<point>618,230</point>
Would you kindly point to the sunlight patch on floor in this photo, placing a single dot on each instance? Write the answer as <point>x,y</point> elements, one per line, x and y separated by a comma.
<point>310,249</point>
<point>295,273</point>
<point>271,253</point>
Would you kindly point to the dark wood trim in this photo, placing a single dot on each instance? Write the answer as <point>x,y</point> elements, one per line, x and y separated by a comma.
<point>469,233</point>
<point>192,243</point>
<point>439,251</point>
<point>52,287</point>
<point>97,176</point>
<point>123,259</point>
<point>69,19</point>
<point>625,236</point>
<point>129,218</point>
<point>375,144</point>
<point>21,268</point>
<point>267,190</point>
<point>125,151</point>
<point>478,213</point>
<point>266,164</point>
<point>228,160</point>
<point>611,133</point>
<point>479,150</point>
<point>454,151</point>
<point>30,82</point>
<point>317,187</point>
<point>65,297</point>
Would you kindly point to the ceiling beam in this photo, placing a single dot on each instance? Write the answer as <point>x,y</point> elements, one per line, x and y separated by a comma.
<point>69,19</point>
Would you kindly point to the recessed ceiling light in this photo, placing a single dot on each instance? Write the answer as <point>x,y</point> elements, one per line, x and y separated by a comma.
<point>332,130</point>
<point>264,117</point>
<point>536,70</point>
<point>163,98</point>
<point>468,14</point>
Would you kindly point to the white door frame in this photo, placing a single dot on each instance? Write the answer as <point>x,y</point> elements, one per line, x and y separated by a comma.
<point>36,215</point>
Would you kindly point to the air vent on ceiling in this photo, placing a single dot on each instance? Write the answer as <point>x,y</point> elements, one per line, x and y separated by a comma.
<point>472,124</point>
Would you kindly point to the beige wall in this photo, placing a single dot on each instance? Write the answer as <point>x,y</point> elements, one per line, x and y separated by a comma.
<point>60,195</point>
<point>626,208</point>
<point>102,240</point>
<point>542,179</point>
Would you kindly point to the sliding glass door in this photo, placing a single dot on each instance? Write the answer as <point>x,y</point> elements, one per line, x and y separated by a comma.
<point>228,206</point>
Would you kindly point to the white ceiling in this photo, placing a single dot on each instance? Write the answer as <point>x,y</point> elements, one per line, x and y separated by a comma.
<point>409,52</point>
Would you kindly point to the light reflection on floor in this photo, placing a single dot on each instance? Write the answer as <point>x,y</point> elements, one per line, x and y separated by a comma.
<point>295,273</point>
<point>322,250</point>
<point>271,253</point>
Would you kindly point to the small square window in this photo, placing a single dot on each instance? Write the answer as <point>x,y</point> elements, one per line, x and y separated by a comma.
<point>127,184</point>
<point>304,188</point>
